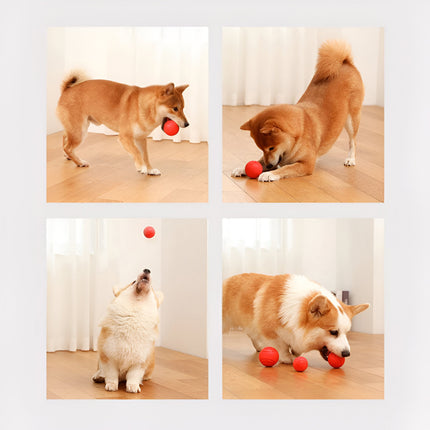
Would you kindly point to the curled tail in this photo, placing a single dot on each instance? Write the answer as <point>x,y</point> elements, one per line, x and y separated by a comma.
<point>73,78</point>
<point>332,54</point>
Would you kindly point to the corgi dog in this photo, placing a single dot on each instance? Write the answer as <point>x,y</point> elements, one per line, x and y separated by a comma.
<point>131,111</point>
<point>287,312</point>
<point>292,137</point>
<point>126,344</point>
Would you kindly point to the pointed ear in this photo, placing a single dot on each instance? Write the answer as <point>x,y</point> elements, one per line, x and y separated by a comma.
<point>319,306</point>
<point>168,89</point>
<point>357,309</point>
<point>182,88</point>
<point>269,127</point>
<point>246,126</point>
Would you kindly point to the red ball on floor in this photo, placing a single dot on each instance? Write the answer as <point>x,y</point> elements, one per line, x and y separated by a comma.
<point>253,169</point>
<point>170,127</point>
<point>268,356</point>
<point>300,364</point>
<point>149,232</point>
<point>335,361</point>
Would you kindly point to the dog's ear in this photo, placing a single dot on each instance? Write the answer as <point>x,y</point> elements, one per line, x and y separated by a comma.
<point>352,311</point>
<point>182,88</point>
<point>270,127</point>
<point>319,306</point>
<point>246,126</point>
<point>168,89</point>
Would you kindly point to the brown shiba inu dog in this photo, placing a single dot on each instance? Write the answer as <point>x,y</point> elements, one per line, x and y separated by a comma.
<point>131,111</point>
<point>292,137</point>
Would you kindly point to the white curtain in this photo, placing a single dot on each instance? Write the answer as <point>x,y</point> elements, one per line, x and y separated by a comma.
<point>86,258</point>
<point>266,66</point>
<point>136,56</point>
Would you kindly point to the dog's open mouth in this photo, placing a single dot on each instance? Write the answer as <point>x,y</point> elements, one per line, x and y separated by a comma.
<point>165,119</point>
<point>324,351</point>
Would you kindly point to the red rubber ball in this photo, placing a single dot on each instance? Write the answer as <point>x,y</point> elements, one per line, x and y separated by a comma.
<point>149,232</point>
<point>253,169</point>
<point>170,127</point>
<point>268,356</point>
<point>335,361</point>
<point>300,364</point>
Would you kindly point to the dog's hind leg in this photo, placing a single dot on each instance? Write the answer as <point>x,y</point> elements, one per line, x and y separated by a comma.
<point>98,376</point>
<point>351,126</point>
<point>71,140</point>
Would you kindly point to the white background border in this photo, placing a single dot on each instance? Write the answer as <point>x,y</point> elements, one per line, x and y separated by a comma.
<point>24,211</point>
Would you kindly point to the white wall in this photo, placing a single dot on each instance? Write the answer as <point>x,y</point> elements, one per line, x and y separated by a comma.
<point>136,56</point>
<point>184,259</point>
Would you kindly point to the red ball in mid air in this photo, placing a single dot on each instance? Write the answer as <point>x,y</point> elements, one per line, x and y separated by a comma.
<point>253,169</point>
<point>335,361</point>
<point>300,364</point>
<point>170,127</point>
<point>268,356</point>
<point>149,232</point>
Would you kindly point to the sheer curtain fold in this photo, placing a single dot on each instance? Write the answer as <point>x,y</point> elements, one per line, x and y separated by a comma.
<point>274,65</point>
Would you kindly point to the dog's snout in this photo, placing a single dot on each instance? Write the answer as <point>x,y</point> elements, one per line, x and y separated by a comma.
<point>346,353</point>
<point>269,166</point>
<point>186,124</point>
<point>146,271</point>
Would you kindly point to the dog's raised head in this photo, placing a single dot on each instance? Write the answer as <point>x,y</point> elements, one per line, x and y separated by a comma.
<point>171,104</point>
<point>140,289</point>
<point>275,131</point>
<point>326,321</point>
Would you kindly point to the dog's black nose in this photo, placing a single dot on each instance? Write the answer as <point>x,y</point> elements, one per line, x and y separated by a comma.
<point>269,166</point>
<point>186,124</point>
<point>147,271</point>
<point>345,353</point>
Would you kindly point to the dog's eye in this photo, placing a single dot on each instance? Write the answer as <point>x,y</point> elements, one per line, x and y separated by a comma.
<point>175,109</point>
<point>334,333</point>
<point>271,148</point>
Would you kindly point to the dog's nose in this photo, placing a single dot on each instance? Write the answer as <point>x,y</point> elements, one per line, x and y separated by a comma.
<point>269,166</point>
<point>345,353</point>
<point>186,124</point>
<point>147,271</point>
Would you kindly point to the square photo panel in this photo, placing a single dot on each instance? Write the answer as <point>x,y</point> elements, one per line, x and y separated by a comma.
<point>303,309</point>
<point>127,114</point>
<point>126,309</point>
<point>303,114</point>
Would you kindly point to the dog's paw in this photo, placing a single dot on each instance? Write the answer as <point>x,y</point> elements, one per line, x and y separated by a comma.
<point>142,170</point>
<point>239,171</point>
<point>154,172</point>
<point>268,177</point>
<point>132,388</point>
<point>111,386</point>
<point>83,163</point>
<point>349,162</point>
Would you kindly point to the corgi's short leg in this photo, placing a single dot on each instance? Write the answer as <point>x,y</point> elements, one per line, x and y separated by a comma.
<point>111,376</point>
<point>142,144</point>
<point>149,366</point>
<point>134,378</point>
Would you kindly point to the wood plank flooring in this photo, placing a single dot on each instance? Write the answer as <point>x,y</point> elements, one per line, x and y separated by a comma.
<point>176,376</point>
<point>361,377</point>
<point>112,177</point>
<point>331,180</point>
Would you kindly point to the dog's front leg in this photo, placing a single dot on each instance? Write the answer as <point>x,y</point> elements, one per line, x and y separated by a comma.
<point>143,147</point>
<point>134,378</point>
<point>111,376</point>
<point>127,141</point>
<point>300,168</point>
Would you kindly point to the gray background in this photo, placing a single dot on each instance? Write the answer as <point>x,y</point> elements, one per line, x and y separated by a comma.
<point>24,211</point>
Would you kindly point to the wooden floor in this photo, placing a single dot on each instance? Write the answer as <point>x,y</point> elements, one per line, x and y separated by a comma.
<point>331,180</point>
<point>361,377</point>
<point>176,376</point>
<point>112,176</point>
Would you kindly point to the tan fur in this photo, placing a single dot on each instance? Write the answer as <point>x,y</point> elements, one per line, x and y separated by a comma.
<point>292,137</point>
<point>132,111</point>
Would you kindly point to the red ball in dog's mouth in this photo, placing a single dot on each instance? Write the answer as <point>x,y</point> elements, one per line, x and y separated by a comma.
<point>170,127</point>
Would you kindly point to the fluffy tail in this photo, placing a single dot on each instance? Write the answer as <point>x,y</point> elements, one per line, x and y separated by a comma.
<point>73,78</point>
<point>332,54</point>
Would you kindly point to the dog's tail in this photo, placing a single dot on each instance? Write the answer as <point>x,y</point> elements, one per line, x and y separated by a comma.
<point>73,78</point>
<point>331,56</point>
